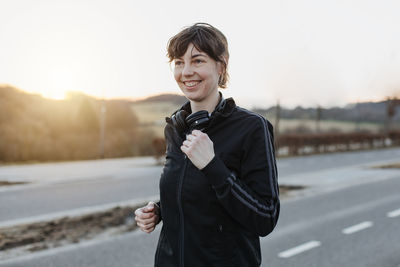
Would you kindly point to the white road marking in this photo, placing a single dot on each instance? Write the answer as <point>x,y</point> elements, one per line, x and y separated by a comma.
<point>299,249</point>
<point>394,213</point>
<point>357,227</point>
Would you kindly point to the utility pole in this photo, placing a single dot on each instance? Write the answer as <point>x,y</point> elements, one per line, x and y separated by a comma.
<point>103,111</point>
<point>389,115</point>
<point>318,118</point>
<point>358,116</point>
<point>277,118</point>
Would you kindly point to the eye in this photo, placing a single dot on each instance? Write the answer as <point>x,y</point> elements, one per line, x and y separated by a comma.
<point>178,62</point>
<point>198,61</point>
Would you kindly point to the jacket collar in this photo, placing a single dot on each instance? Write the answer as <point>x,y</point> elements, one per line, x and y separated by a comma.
<point>222,111</point>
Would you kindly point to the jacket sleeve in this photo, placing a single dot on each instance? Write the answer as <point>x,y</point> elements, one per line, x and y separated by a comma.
<point>251,197</point>
<point>158,203</point>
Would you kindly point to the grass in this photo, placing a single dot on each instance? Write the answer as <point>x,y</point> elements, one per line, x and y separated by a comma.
<point>327,125</point>
<point>153,112</point>
<point>152,117</point>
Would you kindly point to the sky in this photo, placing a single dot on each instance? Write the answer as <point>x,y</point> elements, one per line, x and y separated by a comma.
<point>298,52</point>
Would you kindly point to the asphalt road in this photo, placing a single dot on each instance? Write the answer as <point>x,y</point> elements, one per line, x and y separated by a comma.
<point>348,216</point>
<point>327,219</point>
<point>62,187</point>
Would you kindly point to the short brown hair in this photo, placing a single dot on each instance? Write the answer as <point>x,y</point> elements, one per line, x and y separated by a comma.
<point>205,38</point>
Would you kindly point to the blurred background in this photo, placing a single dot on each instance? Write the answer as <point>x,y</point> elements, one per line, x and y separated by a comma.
<point>94,75</point>
<point>90,80</point>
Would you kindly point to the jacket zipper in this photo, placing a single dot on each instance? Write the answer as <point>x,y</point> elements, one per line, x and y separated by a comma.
<point>182,230</point>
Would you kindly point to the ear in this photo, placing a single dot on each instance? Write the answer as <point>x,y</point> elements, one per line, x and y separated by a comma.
<point>220,68</point>
<point>225,59</point>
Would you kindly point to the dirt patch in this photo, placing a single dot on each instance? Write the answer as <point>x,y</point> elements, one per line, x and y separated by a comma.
<point>388,166</point>
<point>7,183</point>
<point>285,189</point>
<point>43,235</point>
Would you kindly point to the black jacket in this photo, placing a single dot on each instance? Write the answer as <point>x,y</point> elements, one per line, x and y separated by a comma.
<point>214,216</point>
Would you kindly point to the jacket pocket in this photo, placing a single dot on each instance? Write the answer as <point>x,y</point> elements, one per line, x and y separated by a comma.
<point>225,243</point>
<point>164,254</point>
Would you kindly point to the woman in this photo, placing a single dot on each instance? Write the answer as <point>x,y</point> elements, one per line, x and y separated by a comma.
<point>218,188</point>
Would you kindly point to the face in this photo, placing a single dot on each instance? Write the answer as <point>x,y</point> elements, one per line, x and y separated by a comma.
<point>197,75</point>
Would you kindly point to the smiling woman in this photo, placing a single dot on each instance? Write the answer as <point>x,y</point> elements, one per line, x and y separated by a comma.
<point>218,188</point>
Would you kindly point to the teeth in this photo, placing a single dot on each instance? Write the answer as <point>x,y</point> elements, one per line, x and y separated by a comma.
<point>191,83</point>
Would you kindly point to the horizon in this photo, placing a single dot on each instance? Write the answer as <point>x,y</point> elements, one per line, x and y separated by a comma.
<point>133,99</point>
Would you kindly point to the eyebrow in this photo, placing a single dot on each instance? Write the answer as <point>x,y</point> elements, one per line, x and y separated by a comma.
<point>198,55</point>
<point>193,56</point>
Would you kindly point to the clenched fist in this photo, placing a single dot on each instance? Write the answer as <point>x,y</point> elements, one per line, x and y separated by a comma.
<point>148,217</point>
<point>199,148</point>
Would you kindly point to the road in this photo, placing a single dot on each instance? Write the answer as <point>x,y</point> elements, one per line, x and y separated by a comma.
<point>65,187</point>
<point>348,216</point>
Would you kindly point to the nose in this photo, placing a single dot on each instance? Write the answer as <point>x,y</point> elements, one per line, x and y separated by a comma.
<point>187,70</point>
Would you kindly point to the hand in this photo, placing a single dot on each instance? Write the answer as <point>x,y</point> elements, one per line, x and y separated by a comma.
<point>198,148</point>
<point>148,217</point>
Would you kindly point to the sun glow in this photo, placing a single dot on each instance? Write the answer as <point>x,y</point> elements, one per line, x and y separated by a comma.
<point>57,81</point>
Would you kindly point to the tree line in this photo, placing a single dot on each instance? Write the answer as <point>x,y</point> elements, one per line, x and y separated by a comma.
<point>33,128</point>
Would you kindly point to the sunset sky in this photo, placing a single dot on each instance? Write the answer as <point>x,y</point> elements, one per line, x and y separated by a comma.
<point>302,52</point>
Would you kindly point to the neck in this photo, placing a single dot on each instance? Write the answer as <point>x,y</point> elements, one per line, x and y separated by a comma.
<point>208,104</point>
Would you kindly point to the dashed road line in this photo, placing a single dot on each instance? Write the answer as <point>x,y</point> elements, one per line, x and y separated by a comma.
<point>357,227</point>
<point>299,249</point>
<point>394,213</point>
<point>349,230</point>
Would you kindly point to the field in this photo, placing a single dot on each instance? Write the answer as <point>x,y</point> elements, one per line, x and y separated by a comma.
<point>153,112</point>
<point>291,125</point>
<point>152,117</point>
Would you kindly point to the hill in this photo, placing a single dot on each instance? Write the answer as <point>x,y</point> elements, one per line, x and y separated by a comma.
<point>33,128</point>
<point>170,98</point>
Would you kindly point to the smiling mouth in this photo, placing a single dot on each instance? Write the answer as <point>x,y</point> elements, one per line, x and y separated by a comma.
<point>191,83</point>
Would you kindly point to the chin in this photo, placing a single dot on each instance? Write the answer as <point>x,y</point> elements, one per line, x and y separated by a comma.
<point>192,96</point>
<point>194,99</point>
